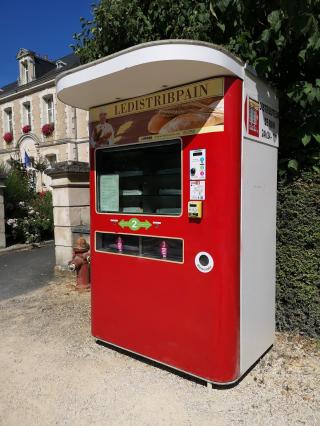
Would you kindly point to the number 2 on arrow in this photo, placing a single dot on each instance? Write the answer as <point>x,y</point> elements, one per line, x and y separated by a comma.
<point>134,224</point>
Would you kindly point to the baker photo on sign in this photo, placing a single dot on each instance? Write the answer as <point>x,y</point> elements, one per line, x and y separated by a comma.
<point>103,133</point>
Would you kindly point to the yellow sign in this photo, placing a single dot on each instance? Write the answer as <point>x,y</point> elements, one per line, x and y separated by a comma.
<point>166,98</point>
<point>185,110</point>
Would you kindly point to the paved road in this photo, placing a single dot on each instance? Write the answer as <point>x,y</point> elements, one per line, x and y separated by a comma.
<point>23,271</point>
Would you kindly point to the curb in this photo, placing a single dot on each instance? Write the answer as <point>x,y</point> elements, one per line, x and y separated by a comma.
<point>24,247</point>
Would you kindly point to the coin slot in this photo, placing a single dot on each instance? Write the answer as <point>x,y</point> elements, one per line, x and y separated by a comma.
<point>203,259</point>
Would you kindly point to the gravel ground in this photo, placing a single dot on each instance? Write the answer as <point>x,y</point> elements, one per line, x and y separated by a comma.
<point>53,373</point>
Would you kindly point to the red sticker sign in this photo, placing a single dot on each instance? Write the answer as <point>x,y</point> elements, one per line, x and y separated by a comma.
<point>253,128</point>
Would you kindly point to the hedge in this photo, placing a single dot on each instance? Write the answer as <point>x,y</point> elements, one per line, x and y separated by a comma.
<point>298,254</point>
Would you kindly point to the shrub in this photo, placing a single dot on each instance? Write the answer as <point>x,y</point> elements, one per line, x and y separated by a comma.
<point>298,254</point>
<point>17,189</point>
<point>29,215</point>
<point>36,222</point>
<point>42,203</point>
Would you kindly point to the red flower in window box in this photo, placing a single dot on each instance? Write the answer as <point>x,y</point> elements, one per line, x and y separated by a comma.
<point>26,128</point>
<point>8,137</point>
<point>47,129</point>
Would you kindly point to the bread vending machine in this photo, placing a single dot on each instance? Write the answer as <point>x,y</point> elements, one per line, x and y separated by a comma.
<point>183,154</point>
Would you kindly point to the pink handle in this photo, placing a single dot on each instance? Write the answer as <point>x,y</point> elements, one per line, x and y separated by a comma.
<point>164,249</point>
<point>119,244</point>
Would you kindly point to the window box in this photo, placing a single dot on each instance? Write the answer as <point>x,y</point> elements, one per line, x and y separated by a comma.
<point>8,137</point>
<point>47,129</point>
<point>26,128</point>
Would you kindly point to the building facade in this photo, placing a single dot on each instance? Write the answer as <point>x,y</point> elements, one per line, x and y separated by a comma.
<point>35,127</point>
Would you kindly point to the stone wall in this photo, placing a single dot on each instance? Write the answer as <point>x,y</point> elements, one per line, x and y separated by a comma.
<point>71,205</point>
<point>70,123</point>
<point>69,141</point>
<point>2,218</point>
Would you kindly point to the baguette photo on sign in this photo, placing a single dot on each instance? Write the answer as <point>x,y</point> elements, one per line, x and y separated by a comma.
<point>188,116</point>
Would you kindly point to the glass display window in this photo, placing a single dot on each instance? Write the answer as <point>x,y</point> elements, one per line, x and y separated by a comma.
<point>140,179</point>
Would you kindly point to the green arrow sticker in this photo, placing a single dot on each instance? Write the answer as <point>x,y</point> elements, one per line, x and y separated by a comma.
<point>134,224</point>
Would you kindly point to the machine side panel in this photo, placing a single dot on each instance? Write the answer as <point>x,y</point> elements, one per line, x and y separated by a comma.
<point>258,220</point>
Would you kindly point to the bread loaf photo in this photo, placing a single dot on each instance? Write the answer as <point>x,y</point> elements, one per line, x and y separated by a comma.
<point>157,122</point>
<point>193,120</point>
<point>191,115</point>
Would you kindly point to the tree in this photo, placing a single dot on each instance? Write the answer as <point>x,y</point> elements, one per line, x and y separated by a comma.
<point>281,39</point>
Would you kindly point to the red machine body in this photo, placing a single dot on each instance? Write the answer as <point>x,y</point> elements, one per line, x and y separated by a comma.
<point>170,312</point>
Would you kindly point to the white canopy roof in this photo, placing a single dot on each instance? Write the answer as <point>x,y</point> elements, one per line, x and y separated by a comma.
<point>144,69</point>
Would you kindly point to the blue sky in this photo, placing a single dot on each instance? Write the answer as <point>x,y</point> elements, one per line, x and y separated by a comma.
<point>45,27</point>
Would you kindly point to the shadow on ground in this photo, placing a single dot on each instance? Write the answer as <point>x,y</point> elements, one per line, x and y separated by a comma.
<point>178,373</point>
<point>24,271</point>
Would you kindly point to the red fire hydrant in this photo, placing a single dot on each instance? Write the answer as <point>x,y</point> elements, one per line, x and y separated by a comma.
<point>81,263</point>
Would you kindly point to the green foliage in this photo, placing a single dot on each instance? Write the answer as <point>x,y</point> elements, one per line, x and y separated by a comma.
<point>41,165</point>
<point>42,205</point>
<point>33,221</point>
<point>281,39</point>
<point>29,215</point>
<point>298,255</point>
<point>42,202</point>
<point>17,189</point>
<point>118,24</point>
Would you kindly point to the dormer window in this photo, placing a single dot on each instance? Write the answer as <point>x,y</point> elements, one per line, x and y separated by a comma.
<point>25,71</point>
<point>60,64</point>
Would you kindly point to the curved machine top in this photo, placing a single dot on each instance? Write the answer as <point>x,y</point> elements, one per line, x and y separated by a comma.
<point>143,69</point>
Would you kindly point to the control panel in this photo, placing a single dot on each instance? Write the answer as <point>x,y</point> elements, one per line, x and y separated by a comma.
<point>195,209</point>
<point>198,164</point>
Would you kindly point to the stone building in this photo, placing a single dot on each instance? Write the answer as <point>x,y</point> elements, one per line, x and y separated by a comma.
<point>34,125</point>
